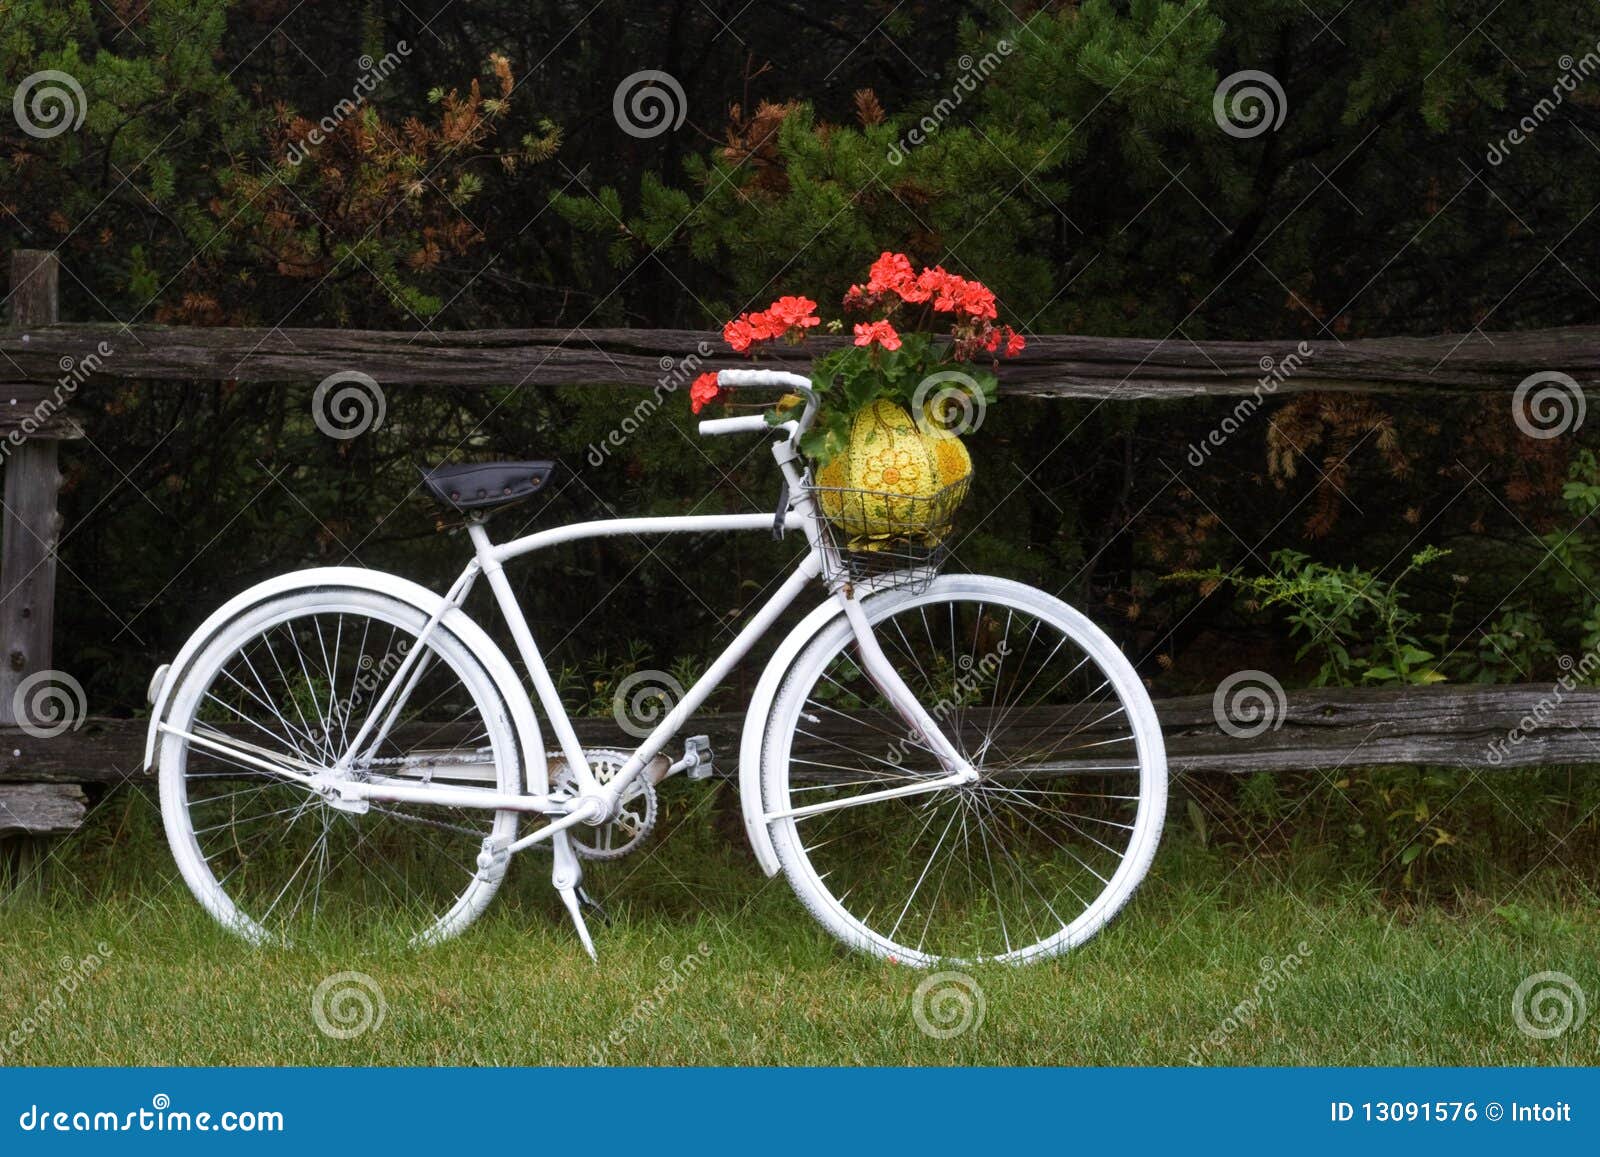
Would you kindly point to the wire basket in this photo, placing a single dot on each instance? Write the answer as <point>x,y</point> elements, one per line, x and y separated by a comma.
<point>880,539</point>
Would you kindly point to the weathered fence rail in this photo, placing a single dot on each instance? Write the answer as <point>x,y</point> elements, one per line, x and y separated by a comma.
<point>40,778</point>
<point>1052,365</point>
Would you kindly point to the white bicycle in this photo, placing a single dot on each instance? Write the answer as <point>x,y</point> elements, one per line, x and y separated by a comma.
<point>951,768</point>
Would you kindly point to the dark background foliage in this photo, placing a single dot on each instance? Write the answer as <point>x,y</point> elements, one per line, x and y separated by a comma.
<point>1085,177</point>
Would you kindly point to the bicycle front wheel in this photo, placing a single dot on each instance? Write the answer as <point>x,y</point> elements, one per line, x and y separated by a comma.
<point>1028,861</point>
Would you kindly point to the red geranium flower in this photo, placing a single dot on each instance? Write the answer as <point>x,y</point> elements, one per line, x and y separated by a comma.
<point>738,334</point>
<point>748,328</point>
<point>978,300</point>
<point>765,326</point>
<point>892,271</point>
<point>958,295</point>
<point>794,311</point>
<point>929,282</point>
<point>1014,343</point>
<point>704,390</point>
<point>878,331</point>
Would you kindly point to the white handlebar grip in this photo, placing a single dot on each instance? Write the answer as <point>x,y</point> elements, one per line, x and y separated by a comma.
<point>778,378</point>
<point>749,424</point>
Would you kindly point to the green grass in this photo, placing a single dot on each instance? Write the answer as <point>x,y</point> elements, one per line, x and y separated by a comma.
<point>1380,980</point>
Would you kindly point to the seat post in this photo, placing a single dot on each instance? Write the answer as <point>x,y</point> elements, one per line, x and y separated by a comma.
<point>478,531</point>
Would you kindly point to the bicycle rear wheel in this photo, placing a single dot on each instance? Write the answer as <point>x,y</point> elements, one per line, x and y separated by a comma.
<point>287,685</point>
<point>1029,861</point>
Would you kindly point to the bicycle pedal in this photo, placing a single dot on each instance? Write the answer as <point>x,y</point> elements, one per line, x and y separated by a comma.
<point>699,761</point>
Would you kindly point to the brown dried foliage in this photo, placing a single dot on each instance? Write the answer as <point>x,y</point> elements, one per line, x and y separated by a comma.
<point>368,182</point>
<point>753,141</point>
<point>1327,431</point>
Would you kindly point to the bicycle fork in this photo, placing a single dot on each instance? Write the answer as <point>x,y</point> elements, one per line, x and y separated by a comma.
<point>923,727</point>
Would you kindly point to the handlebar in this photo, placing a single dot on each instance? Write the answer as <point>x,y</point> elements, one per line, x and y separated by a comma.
<point>756,423</point>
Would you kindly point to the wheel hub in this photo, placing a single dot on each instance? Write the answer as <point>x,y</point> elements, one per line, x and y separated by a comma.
<point>329,788</point>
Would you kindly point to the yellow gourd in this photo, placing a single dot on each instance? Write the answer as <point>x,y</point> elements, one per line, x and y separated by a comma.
<point>949,454</point>
<point>950,458</point>
<point>829,480</point>
<point>887,456</point>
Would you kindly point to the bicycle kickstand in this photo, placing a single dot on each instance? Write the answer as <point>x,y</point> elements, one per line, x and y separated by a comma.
<point>567,875</point>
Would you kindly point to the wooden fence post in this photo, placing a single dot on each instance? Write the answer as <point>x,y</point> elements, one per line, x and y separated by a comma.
<point>31,523</point>
<point>29,528</point>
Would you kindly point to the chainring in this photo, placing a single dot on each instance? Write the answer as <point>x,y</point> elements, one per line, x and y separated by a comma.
<point>636,811</point>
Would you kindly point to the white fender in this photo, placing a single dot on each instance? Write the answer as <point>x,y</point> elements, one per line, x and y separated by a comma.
<point>404,590</point>
<point>754,736</point>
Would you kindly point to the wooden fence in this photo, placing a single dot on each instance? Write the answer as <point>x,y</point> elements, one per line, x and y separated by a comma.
<point>41,780</point>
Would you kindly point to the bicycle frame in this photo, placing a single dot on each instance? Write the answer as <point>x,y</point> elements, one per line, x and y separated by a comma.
<point>595,802</point>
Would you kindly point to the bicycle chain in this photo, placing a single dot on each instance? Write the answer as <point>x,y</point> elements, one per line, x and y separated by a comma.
<point>440,824</point>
